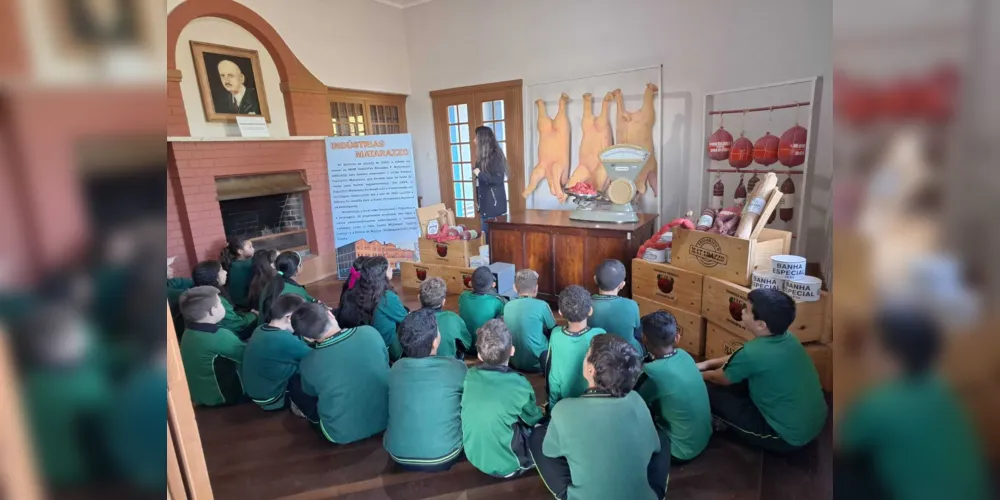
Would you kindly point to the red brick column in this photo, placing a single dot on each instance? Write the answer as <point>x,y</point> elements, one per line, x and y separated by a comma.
<point>177,123</point>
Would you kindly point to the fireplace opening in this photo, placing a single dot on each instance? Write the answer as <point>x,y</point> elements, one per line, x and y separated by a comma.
<point>272,221</point>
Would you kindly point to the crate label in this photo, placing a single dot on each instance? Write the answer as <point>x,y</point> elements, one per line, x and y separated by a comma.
<point>421,273</point>
<point>756,206</point>
<point>705,220</point>
<point>467,280</point>
<point>708,252</point>
<point>737,304</point>
<point>665,285</point>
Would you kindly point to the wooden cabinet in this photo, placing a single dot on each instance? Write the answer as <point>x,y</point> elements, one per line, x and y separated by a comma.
<point>563,251</point>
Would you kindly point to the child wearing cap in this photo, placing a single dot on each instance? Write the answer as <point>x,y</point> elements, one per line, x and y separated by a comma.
<point>455,337</point>
<point>568,346</point>
<point>482,303</point>
<point>615,314</point>
<point>530,321</point>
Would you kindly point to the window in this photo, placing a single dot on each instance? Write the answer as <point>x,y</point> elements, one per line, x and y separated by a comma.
<point>460,146</point>
<point>355,113</point>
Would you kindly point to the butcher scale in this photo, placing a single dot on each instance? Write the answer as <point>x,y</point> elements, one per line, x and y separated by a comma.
<point>622,163</point>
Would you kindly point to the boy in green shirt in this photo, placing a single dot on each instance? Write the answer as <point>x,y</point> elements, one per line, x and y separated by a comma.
<point>455,337</point>
<point>673,389</point>
<point>425,398</point>
<point>603,444</point>
<point>909,436</point>
<point>344,379</point>
<point>482,303</point>
<point>768,391</point>
<point>498,408</point>
<point>175,287</point>
<point>568,346</point>
<point>211,355</point>
<point>530,320</point>
<point>612,313</point>
<point>272,355</point>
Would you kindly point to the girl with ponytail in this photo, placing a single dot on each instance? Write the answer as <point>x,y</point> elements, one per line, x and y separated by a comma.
<point>371,301</point>
<point>263,272</point>
<point>236,260</point>
<point>211,273</point>
<point>287,265</point>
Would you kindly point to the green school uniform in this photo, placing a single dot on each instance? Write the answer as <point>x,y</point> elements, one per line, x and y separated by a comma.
<point>61,402</point>
<point>236,322</point>
<point>452,329</point>
<point>675,392</point>
<point>212,356</point>
<point>528,320</point>
<point>921,442</point>
<point>608,443</point>
<point>783,384</point>
<point>617,315</point>
<point>175,288</point>
<point>272,356</point>
<point>478,308</point>
<point>240,275</point>
<point>290,287</point>
<point>349,374</point>
<point>389,313</point>
<point>425,408</point>
<point>494,400</point>
<point>566,353</point>
<point>141,455</point>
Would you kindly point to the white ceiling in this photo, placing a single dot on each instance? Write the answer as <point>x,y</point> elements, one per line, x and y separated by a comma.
<point>401,4</point>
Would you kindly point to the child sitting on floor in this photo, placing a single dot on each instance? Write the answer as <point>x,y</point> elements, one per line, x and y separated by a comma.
<point>568,346</point>
<point>263,273</point>
<point>530,320</point>
<point>211,273</point>
<point>344,379</point>
<point>425,398</point>
<point>372,301</point>
<point>603,444</point>
<point>286,266</point>
<point>210,353</point>
<point>767,392</point>
<point>455,337</point>
<point>615,314</point>
<point>236,260</point>
<point>498,408</point>
<point>673,388</point>
<point>482,303</point>
<point>272,355</point>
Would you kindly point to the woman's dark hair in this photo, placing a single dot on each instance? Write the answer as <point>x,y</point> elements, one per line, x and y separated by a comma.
<point>490,157</point>
<point>231,251</point>
<point>263,272</point>
<point>206,273</point>
<point>286,265</point>
<point>359,303</point>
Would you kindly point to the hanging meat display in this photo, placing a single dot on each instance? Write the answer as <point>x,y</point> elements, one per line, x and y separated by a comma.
<point>765,150</point>
<point>752,183</point>
<point>718,193</point>
<point>741,155</point>
<point>786,207</point>
<point>740,195</point>
<point>720,143</point>
<point>792,147</point>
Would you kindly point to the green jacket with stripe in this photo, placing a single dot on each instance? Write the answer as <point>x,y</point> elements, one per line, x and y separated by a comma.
<point>425,410</point>
<point>212,357</point>
<point>240,275</point>
<point>271,358</point>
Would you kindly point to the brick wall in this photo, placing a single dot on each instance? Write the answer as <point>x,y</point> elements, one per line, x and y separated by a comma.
<point>193,167</point>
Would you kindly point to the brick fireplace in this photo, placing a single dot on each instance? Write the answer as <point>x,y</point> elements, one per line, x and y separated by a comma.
<point>198,222</point>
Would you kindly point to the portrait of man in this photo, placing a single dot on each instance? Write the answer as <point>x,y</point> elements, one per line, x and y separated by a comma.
<point>230,82</point>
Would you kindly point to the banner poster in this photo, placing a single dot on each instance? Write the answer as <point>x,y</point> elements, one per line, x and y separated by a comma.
<point>373,195</point>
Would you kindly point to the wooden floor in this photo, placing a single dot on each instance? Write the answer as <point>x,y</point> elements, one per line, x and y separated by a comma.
<point>252,454</point>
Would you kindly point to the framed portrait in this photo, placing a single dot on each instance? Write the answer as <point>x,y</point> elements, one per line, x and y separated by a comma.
<point>230,82</point>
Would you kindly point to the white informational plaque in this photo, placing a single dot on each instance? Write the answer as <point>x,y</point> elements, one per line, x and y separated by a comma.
<point>253,126</point>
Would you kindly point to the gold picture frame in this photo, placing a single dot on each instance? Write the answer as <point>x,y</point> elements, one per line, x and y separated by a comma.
<point>245,92</point>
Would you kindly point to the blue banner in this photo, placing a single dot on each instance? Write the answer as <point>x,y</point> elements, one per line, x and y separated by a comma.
<point>373,195</point>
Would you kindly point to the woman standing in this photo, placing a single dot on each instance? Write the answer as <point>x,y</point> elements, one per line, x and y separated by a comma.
<point>491,176</point>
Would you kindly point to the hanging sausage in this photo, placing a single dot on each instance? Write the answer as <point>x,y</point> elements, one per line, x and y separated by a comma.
<point>765,150</point>
<point>792,145</point>
<point>752,183</point>
<point>720,143</point>
<point>741,153</point>
<point>740,195</point>
<point>786,208</point>
<point>718,192</point>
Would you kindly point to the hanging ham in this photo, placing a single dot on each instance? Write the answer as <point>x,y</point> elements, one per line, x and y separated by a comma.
<point>740,195</point>
<point>765,150</point>
<point>718,193</point>
<point>719,144</point>
<point>752,183</point>
<point>741,154</point>
<point>792,147</point>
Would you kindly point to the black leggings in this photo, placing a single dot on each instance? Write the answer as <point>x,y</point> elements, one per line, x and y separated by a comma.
<point>556,474</point>
<point>732,405</point>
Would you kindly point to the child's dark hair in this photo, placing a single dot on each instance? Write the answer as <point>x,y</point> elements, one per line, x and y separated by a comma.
<point>286,265</point>
<point>911,336</point>
<point>417,333</point>
<point>482,280</point>
<point>206,273</point>
<point>610,274</point>
<point>263,272</point>
<point>311,320</point>
<point>286,304</point>
<point>359,303</point>
<point>493,342</point>
<point>231,251</point>
<point>774,307</point>
<point>616,364</point>
<point>574,303</point>
<point>659,328</point>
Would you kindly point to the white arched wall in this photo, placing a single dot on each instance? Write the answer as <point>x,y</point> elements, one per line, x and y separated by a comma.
<point>222,32</point>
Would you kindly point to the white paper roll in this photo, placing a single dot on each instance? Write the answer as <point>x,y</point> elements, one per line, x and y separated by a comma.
<point>788,266</point>
<point>805,288</point>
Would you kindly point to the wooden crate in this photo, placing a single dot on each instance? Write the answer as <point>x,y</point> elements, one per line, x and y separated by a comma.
<point>453,253</point>
<point>689,324</point>
<point>725,257</point>
<point>722,303</point>
<point>822,358</point>
<point>667,284</point>
<point>458,279</point>
<point>721,342</point>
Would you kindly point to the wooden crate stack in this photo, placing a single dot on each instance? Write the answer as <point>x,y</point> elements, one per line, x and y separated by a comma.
<point>448,260</point>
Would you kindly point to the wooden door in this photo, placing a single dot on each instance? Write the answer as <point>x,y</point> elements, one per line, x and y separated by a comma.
<point>457,113</point>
